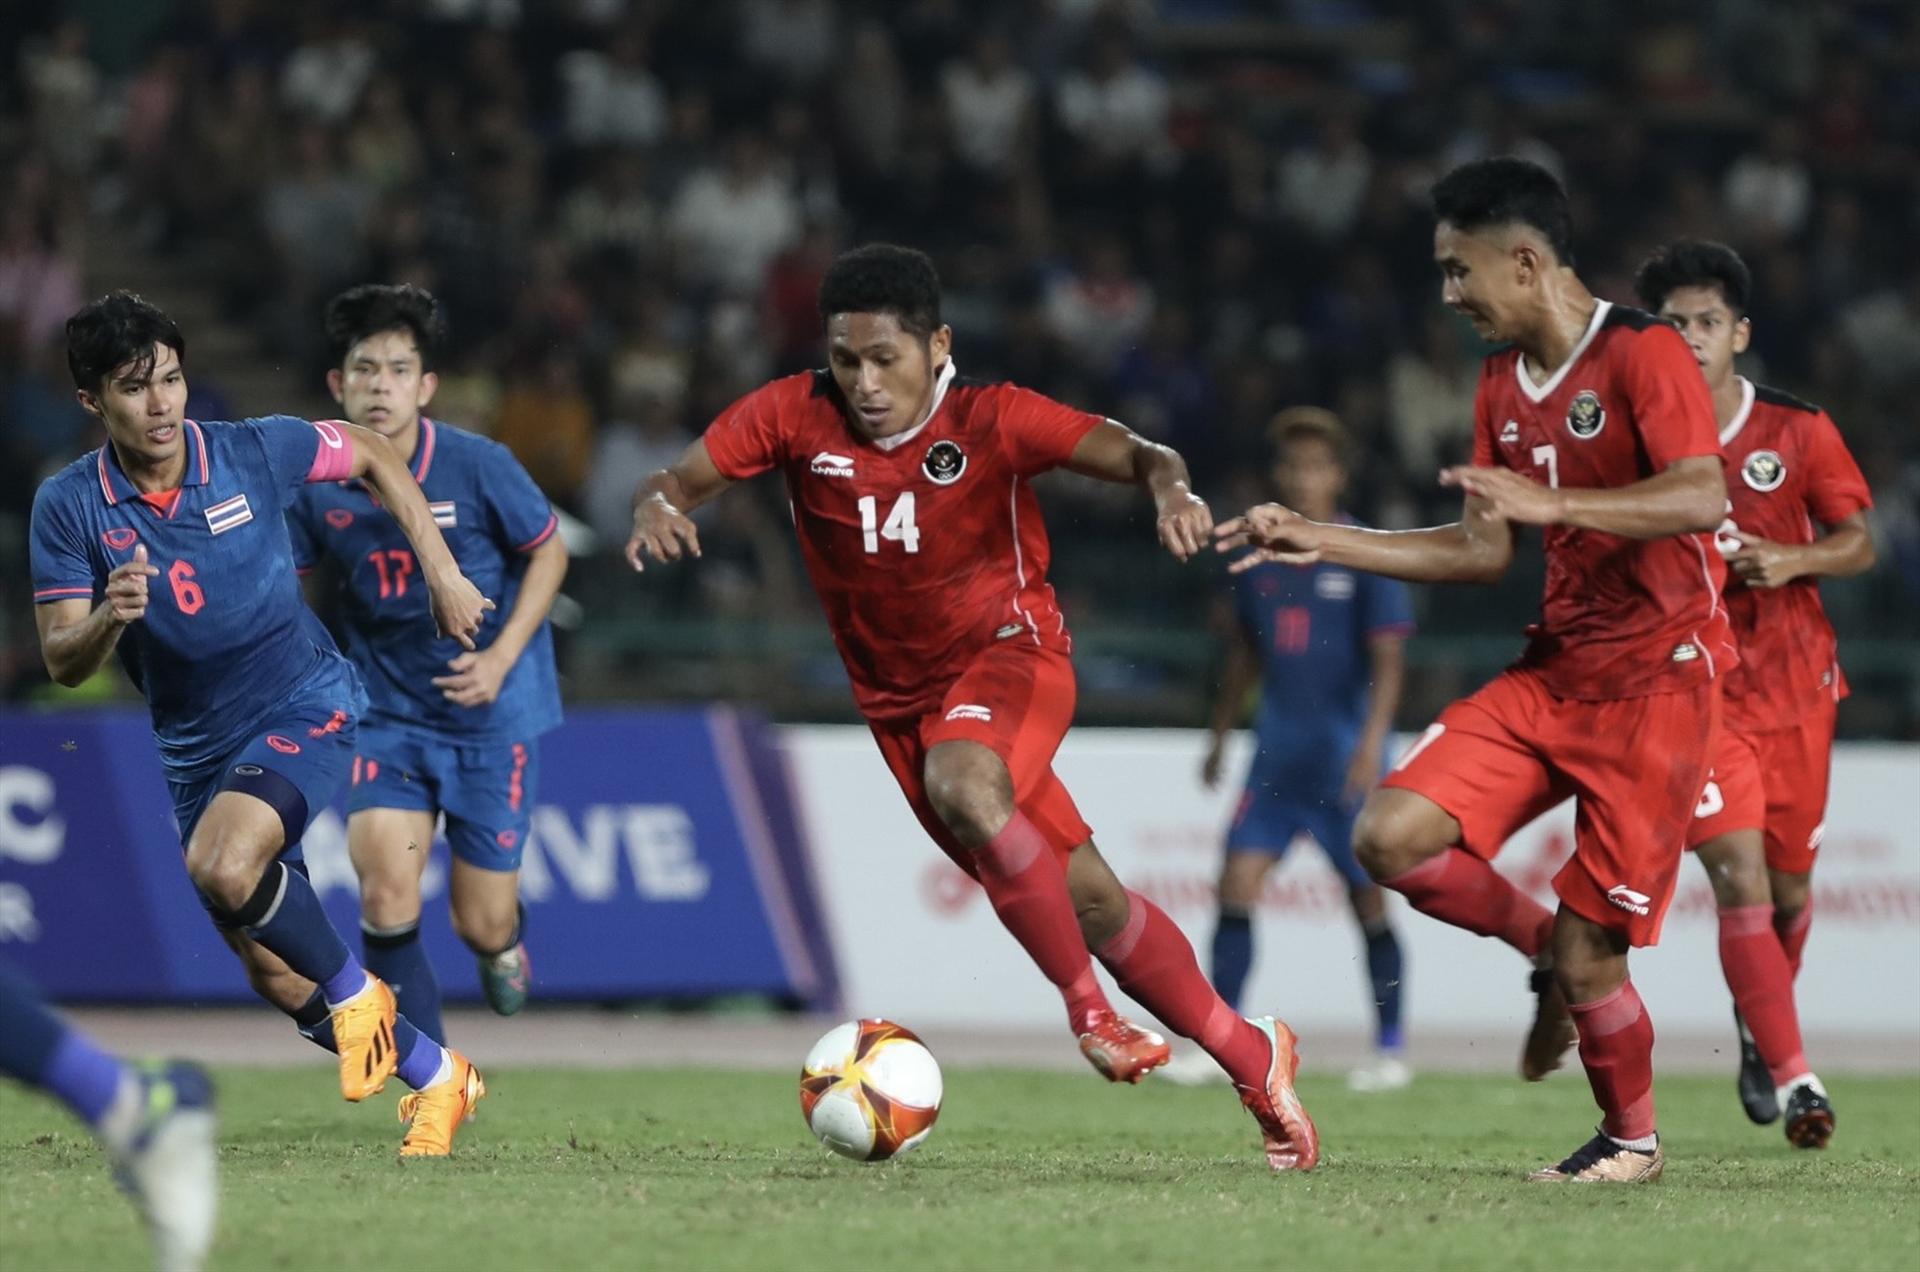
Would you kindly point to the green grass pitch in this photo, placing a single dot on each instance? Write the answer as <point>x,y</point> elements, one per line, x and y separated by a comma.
<point>709,1169</point>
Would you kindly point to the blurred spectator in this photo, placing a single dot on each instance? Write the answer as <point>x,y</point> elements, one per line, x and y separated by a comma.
<point>314,213</point>
<point>1101,308</point>
<point>612,96</point>
<point>990,105</point>
<point>645,436</point>
<point>612,209</point>
<point>794,39</point>
<point>546,420</point>
<point>1114,112</point>
<point>1430,392</point>
<point>63,95</point>
<point>383,145</point>
<point>730,221</point>
<point>328,70</point>
<point>1322,184</point>
<point>1769,191</point>
<point>1883,332</point>
<point>39,281</point>
<point>869,103</point>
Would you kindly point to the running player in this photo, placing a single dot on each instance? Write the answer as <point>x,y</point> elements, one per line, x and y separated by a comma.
<point>155,1121</point>
<point>1758,825</point>
<point>1329,648</point>
<point>450,730</point>
<point>921,533</point>
<point>253,708</point>
<point>1595,424</point>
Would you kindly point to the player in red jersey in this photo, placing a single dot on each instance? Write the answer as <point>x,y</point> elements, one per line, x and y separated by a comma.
<point>924,542</point>
<point>1594,424</point>
<point>1758,824</point>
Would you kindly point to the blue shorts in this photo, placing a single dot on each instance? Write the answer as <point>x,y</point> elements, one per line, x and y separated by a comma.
<point>1268,819</point>
<point>311,746</point>
<point>485,791</point>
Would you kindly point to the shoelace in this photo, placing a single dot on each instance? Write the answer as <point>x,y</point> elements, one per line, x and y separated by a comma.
<point>1591,1153</point>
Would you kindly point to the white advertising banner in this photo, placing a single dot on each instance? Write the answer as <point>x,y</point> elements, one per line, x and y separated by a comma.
<point>916,938</point>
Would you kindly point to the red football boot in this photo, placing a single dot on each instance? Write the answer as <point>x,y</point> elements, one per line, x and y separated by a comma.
<point>1119,1048</point>
<point>1292,1142</point>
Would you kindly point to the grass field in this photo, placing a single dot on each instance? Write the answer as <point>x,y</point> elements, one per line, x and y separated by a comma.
<point>684,1168</point>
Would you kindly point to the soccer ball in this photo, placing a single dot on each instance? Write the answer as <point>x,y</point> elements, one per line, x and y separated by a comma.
<point>870,1090</point>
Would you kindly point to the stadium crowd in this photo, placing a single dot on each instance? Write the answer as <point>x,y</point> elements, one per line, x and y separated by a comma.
<point>1185,214</point>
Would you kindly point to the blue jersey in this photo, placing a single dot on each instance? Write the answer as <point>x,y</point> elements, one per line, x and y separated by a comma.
<point>491,515</point>
<point>227,639</point>
<point>1311,625</point>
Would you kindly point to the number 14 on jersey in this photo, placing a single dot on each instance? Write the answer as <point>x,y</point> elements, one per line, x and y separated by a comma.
<point>899,525</point>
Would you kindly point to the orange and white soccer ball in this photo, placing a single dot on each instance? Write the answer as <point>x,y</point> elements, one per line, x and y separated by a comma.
<point>870,1090</point>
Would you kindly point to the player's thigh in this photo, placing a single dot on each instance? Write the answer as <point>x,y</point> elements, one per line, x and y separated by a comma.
<point>1015,700</point>
<point>390,848</point>
<point>485,904</point>
<point>268,973</point>
<point>906,756</point>
<point>1331,825</point>
<point>1732,799</point>
<point>1796,767</point>
<point>1242,872</point>
<point>488,793</point>
<point>1638,767</point>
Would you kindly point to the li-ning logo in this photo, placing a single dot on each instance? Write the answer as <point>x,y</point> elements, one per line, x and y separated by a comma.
<point>1685,653</point>
<point>828,464</point>
<point>1510,433</point>
<point>229,514</point>
<point>970,711</point>
<point>1009,631</point>
<point>1629,900</point>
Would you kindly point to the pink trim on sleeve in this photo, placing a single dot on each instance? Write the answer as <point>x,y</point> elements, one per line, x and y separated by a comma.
<point>61,593</point>
<point>332,453</point>
<point>553,523</point>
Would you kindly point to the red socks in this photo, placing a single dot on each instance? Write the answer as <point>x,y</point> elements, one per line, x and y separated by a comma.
<point>1793,936</point>
<point>1457,887</point>
<point>1762,984</point>
<point>1028,890</point>
<point>1154,962</point>
<point>1616,1046</point>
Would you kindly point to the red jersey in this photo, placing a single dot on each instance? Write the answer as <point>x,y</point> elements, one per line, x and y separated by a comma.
<point>1621,617</point>
<point>1786,470</point>
<point>924,548</point>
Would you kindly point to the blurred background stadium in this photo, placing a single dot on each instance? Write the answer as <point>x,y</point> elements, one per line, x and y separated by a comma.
<point>1186,215</point>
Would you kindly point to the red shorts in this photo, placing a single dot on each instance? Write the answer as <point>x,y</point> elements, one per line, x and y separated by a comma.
<point>1775,782</point>
<point>1501,757</point>
<point>1017,701</point>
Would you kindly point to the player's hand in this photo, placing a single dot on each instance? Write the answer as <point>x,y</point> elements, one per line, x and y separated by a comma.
<point>458,607</point>
<point>1762,562</point>
<point>1363,772</point>
<point>127,588</point>
<point>1273,532</point>
<point>1210,767</point>
<point>1185,526</point>
<point>661,531</point>
<point>476,678</point>
<point>1509,496</point>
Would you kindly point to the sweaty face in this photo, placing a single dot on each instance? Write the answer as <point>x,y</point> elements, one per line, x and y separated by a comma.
<point>1310,477</point>
<point>142,407</point>
<point>382,385</point>
<point>1710,327</point>
<point>1480,276</point>
<point>885,372</point>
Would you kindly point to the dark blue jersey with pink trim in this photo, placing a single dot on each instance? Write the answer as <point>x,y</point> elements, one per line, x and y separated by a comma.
<point>492,514</point>
<point>227,639</point>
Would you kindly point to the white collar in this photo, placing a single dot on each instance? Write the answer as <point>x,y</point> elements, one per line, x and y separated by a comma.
<point>898,440</point>
<point>1739,420</point>
<point>1539,394</point>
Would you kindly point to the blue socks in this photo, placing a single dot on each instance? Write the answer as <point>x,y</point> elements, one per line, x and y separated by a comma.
<point>398,958</point>
<point>295,927</point>
<point>40,1049</point>
<point>1384,969</point>
<point>1232,955</point>
<point>420,1055</point>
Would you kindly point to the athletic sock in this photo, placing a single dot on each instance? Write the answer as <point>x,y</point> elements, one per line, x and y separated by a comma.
<point>1232,954</point>
<point>1457,887</point>
<point>1384,971</point>
<point>1028,890</point>
<point>293,925</point>
<point>1154,962</point>
<point>397,956</point>
<point>314,1020</point>
<point>1616,1046</point>
<point>1792,930</point>
<point>42,1050</point>
<point>1762,984</point>
<point>423,1061</point>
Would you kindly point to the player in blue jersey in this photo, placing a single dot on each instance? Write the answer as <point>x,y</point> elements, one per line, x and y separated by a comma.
<point>169,547</point>
<point>1327,644</point>
<point>450,730</point>
<point>155,1121</point>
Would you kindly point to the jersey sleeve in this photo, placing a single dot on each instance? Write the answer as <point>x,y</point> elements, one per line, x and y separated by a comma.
<point>1388,607</point>
<point>746,440</point>
<point>58,548</point>
<point>1836,489</point>
<point>518,514</point>
<point>1672,406</point>
<point>1038,432</point>
<point>299,451</point>
<point>306,548</point>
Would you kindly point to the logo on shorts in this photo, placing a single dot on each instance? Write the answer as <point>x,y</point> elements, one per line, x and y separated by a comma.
<point>1686,652</point>
<point>1629,900</point>
<point>970,711</point>
<point>286,746</point>
<point>1009,631</point>
<point>1585,416</point>
<point>828,464</point>
<point>507,838</point>
<point>247,770</point>
<point>339,518</point>
<point>120,540</point>
<point>944,463</point>
<point>1510,433</point>
<point>1764,470</point>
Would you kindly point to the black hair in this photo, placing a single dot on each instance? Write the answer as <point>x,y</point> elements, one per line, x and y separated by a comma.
<point>1695,263</point>
<point>883,278</point>
<point>371,308</point>
<point>114,331</point>
<point>1311,424</point>
<point>1507,191</point>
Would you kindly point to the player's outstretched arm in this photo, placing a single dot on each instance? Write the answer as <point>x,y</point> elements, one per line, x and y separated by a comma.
<point>457,604</point>
<point>478,675</point>
<point>77,637</point>
<point>1476,549</point>
<point>1688,496</point>
<point>1844,550</point>
<point>1113,452</point>
<point>661,527</point>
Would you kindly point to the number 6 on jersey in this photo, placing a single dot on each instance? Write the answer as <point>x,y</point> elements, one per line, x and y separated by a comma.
<point>899,527</point>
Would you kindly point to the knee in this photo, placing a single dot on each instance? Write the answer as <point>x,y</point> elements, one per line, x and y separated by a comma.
<point>485,929</point>
<point>1791,893</point>
<point>1388,842</point>
<point>1589,961</point>
<point>1102,912</point>
<point>222,870</point>
<point>390,898</point>
<point>1738,874</point>
<point>972,797</point>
